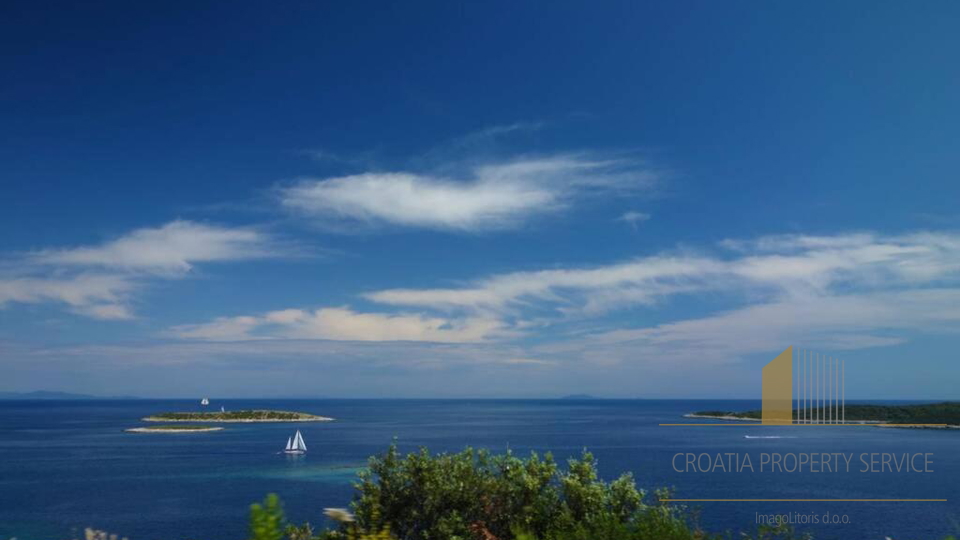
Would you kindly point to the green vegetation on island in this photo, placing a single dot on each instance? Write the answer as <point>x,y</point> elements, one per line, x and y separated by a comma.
<point>947,412</point>
<point>237,416</point>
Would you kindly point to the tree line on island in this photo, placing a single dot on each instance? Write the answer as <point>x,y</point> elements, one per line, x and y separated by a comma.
<point>256,415</point>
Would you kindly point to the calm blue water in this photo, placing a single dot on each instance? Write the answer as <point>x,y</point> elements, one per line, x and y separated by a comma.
<point>68,465</point>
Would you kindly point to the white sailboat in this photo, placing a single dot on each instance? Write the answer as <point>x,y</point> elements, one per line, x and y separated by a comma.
<point>295,445</point>
<point>204,401</point>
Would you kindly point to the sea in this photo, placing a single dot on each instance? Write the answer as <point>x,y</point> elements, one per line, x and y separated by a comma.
<point>68,465</point>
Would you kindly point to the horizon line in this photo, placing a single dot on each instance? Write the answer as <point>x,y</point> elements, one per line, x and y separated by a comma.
<point>573,397</point>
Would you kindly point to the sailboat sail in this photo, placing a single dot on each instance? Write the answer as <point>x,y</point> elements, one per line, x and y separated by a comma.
<point>298,443</point>
<point>295,444</point>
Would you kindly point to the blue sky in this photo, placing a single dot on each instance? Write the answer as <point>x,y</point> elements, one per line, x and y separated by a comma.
<point>480,200</point>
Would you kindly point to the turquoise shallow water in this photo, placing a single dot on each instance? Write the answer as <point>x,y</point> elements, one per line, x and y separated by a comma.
<point>68,465</point>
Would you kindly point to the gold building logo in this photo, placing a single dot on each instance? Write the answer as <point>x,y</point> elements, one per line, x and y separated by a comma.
<point>803,387</point>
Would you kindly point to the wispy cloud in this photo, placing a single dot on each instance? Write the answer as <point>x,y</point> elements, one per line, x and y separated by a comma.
<point>173,247</point>
<point>547,328</point>
<point>765,268</point>
<point>842,291</point>
<point>101,296</point>
<point>634,218</point>
<point>843,322</point>
<point>343,324</point>
<point>490,196</point>
<point>98,281</point>
<point>483,143</point>
<point>850,291</point>
<point>642,280</point>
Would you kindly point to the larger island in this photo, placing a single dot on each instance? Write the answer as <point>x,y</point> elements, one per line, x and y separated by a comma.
<point>945,414</point>
<point>254,415</point>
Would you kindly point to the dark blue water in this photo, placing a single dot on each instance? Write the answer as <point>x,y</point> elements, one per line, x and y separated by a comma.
<point>69,465</point>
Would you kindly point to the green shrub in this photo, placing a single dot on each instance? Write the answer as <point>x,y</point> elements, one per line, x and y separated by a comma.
<point>474,495</point>
<point>266,520</point>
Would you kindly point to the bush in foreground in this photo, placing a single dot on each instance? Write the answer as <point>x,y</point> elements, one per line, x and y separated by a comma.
<point>475,495</point>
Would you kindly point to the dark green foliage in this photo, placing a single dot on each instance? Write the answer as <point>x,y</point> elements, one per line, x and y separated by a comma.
<point>233,416</point>
<point>932,413</point>
<point>476,495</point>
<point>302,532</point>
<point>455,496</point>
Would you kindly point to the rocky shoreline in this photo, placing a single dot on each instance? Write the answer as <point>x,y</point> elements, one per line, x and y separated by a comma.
<point>918,426</point>
<point>172,430</point>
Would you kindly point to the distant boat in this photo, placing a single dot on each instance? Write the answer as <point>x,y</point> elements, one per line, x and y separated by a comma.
<point>222,409</point>
<point>204,401</point>
<point>295,445</point>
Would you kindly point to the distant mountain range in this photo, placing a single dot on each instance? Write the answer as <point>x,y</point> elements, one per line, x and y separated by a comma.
<point>579,396</point>
<point>44,394</point>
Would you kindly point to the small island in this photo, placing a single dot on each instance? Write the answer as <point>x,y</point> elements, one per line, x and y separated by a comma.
<point>237,416</point>
<point>906,416</point>
<point>173,429</point>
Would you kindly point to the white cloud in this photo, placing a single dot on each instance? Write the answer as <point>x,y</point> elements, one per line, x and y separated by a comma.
<point>174,247</point>
<point>843,291</point>
<point>843,322</point>
<point>491,196</point>
<point>96,295</point>
<point>833,293</point>
<point>634,218</point>
<point>343,324</point>
<point>526,362</point>
<point>220,329</point>
<point>106,311</point>
<point>98,281</point>
<point>643,279</point>
<point>765,269</point>
<point>849,278</point>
